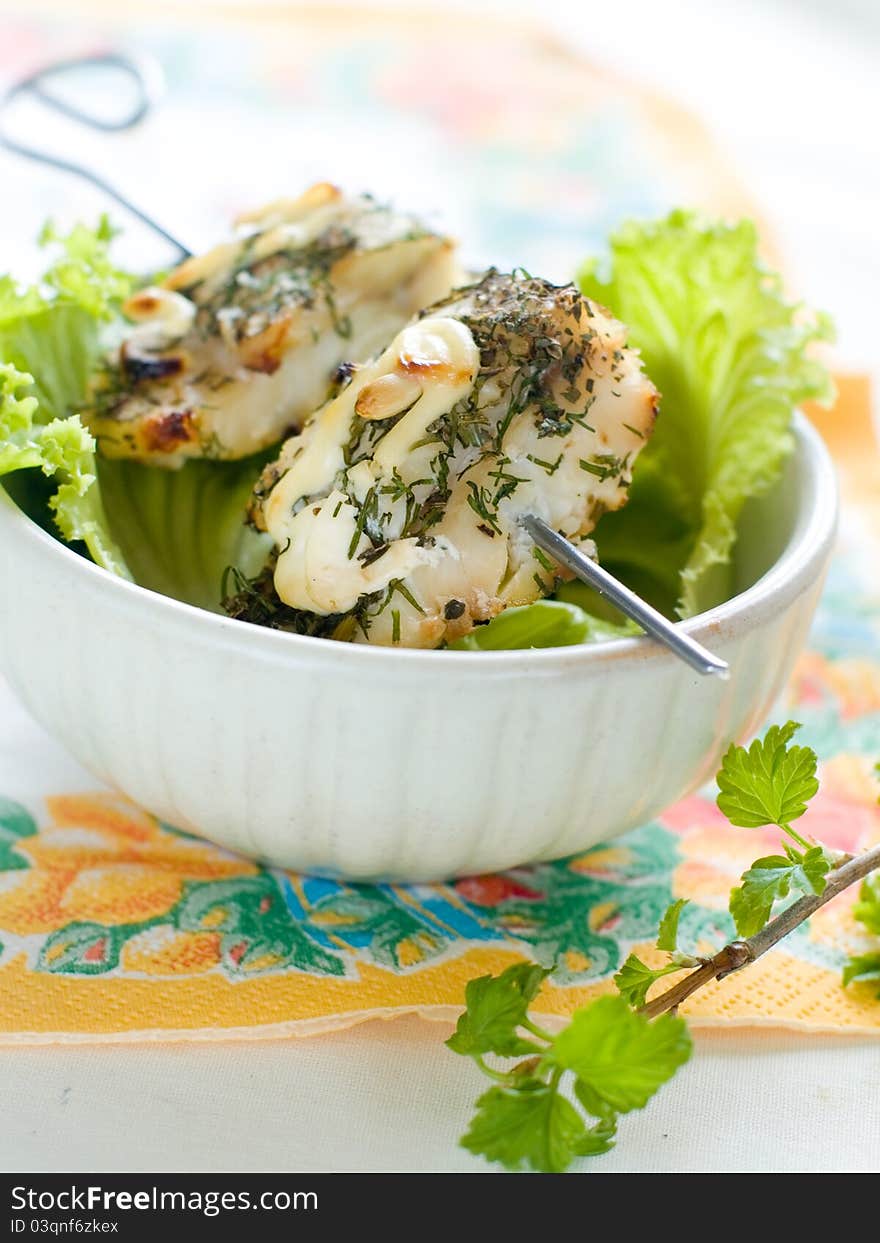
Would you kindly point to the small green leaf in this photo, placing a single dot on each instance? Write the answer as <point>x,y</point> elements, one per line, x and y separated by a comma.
<point>598,1139</point>
<point>867,909</point>
<point>529,1126</point>
<point>619,1054</point>
<point>546,623</point>
<point>635,978</point>
<point>496,1006</point>
<point>770,783</point>
<point>772,878</point>
<point>594,1104</point>
<point>863,967</point>
<point>667,936</point>
<point>248,955</point>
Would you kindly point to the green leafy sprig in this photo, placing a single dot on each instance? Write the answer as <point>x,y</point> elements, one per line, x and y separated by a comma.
<point>564,1099</point>
<point>771,783</point>
<point>635,977</point>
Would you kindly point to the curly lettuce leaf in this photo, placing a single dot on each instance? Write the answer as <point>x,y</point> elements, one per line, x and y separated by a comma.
<point>731,359</point>
<point>63,450</point>
<point>52,330</point>
<point>50,341</point>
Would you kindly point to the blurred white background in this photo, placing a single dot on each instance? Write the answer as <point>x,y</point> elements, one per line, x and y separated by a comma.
<point>789,89</point>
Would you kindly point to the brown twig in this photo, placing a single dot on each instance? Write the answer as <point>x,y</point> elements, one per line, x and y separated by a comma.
<point>739,954</point>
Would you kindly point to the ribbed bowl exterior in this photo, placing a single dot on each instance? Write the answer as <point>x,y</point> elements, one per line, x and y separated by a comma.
<point>367,763</point>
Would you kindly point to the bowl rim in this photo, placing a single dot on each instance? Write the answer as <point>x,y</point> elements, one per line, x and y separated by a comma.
<point>794,570</point>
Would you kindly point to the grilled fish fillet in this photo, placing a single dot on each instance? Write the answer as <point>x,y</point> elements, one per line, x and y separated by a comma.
<point>236,346</point>
<point>399,505</point>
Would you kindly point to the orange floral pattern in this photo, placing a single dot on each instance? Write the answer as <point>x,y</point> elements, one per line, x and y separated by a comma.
<point>101,859</point>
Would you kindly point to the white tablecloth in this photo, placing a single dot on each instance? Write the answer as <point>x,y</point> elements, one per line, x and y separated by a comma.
<point>389,1096</point>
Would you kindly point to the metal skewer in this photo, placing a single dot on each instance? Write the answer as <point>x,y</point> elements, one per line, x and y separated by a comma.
<point>686,648</point>
<point>35,84</point>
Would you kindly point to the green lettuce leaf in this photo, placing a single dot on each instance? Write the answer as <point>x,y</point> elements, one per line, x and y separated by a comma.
<point>50,341</point>
<point>52,330</point>
<point>63,450</point>
<point>546,623</point>
<point>180,529</point>
<point>731,359</point>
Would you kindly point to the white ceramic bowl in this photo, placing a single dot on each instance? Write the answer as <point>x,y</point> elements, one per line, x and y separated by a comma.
<point>369,763</point>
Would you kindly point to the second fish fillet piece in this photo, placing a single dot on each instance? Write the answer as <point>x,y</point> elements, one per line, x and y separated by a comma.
<point>236,346</point>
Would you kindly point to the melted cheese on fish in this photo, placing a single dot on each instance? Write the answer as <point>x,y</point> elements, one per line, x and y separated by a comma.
<point>325,565</point>
<point>400,503</point>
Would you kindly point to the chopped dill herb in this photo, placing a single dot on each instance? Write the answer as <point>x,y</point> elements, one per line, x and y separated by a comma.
<point>255,600</point>
<point>398,585</point>
<point>363,517</point>
<point>480,500</point>
<point>604,466</point>
<point>550,467</point>
<point>542,558</point>
<point>507,483</point>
